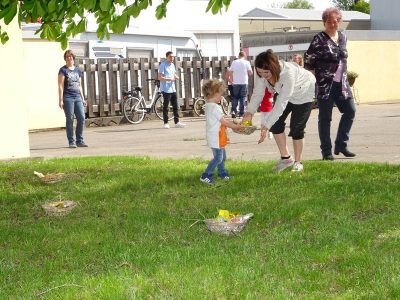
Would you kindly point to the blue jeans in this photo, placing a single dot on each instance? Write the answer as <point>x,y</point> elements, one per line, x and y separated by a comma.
<point>348,110</point>
<point>74,106</point>
<point>217,162</point>
<point>239,94</point>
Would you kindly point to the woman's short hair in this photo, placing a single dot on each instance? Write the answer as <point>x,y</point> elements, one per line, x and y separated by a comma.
<point>267,60</point>
<point>330,11</point>
<point>211,87</point>
<point>69,52</point>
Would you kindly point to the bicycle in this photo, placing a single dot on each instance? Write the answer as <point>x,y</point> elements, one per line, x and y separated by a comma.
<point>135,105</point>
<point>200,104</point>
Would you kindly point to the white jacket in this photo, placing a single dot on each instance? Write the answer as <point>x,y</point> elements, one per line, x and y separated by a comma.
<point>296,85</point>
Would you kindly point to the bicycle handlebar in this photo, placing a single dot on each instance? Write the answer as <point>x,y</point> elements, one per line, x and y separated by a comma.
<point>156,81</point>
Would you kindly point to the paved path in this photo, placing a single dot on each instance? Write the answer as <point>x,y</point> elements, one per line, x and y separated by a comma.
<point>374,138</point>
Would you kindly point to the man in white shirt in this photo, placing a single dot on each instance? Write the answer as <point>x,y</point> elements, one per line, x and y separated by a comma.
<point>239,73</point>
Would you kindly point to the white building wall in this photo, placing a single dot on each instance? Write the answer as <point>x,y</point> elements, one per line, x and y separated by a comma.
<point>13,96</point>
<point>158,44</point>
<point>43,109</point>
<point>189,16</point>
<point>385,14</point>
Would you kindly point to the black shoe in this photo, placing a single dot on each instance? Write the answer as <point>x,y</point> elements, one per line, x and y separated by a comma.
<point>233,115</point>
<point>345,152</point>
<point>82,144</point>
<point>328,157</point>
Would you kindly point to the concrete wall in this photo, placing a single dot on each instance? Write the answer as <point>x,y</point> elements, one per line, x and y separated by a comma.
<point>374,56</point>
<point>247,26</point>
<point>385,14</point>
<point>42,60</point>
<point>13,101</point>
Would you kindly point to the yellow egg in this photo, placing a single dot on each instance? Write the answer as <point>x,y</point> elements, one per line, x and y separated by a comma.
<point>247,123</point>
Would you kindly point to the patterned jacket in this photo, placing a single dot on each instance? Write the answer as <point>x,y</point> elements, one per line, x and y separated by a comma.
<point>323,56</point>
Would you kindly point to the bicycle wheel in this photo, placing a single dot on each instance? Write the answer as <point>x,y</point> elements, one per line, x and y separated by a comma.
<point>226,105</point>
<point>158,109</point>
<point>199,107</point>
<point>134,110</point>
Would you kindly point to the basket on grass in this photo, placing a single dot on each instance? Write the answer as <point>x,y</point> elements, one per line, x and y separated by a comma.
<point>245,130</point>
<point>58,208</point>
<point>50,177</point>
<point>234,226</point>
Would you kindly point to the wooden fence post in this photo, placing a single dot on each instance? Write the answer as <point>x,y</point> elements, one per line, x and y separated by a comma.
<point>186,65</point>
<point>178,83</point>
<point>123,80</point>
<point>113,89</point>
<point>134,73</point>
<point>197,77</point>
<point>153,66</point>
<point>91,87</point>
<point>144,75</point>
<point>215,67</point>
<point>205,65</point>
<point>102,86</point>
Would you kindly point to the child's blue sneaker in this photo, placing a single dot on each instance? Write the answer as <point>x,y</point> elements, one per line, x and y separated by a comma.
<point>206,179</point>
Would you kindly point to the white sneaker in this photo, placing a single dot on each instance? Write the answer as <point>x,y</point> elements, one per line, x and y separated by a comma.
<point>283,164</point>
<point>166,126</point>
<point>270,136</point>
<point>298,167</point>
<point>180,125</point>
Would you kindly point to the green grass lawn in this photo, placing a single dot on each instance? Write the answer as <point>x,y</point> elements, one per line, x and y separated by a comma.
<point>331,232</point>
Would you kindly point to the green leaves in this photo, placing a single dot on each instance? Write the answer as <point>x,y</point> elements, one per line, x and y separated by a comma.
<point>216,5</point>
<point>120,23</point>
<point>133,10</point>
<point>73,13</point>
<point>105,5</point>
<point>81,27</point>
<point>8,13</point>
<point>49,32</point>
<point>3,37</point>
<point>88,4</point>
<point>52,6</point>
<point>143,4</point>
<point>301,4</point>
<point>161,11</point>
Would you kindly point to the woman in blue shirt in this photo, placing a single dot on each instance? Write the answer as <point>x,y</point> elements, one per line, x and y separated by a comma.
<point>70,98</point>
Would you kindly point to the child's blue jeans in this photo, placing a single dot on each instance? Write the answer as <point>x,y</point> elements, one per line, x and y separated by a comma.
<point>217,162</point>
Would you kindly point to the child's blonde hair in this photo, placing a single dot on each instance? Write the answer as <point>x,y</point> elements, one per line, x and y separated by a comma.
<point>211,87</point>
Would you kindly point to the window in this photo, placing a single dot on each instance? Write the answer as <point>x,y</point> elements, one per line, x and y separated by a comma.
<point>80,49</point>
<point>138,53</point>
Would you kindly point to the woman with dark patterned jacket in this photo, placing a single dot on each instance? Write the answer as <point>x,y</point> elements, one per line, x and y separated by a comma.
<point>327,58</point>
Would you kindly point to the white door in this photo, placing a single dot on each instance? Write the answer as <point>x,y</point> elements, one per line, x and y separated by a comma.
<point>216,44</point>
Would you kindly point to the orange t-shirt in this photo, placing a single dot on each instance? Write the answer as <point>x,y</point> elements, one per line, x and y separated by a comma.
<point>223,137</point>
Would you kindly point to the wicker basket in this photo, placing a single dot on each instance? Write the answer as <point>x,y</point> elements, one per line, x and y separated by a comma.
<point>58,208</point>
<point>227,228</point>
<point>245,130</point>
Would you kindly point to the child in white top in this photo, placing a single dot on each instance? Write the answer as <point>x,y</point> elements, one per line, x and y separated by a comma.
<point>215,130</point>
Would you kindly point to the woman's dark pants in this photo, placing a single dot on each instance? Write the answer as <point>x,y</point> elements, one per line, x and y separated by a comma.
<point>347,108</point>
